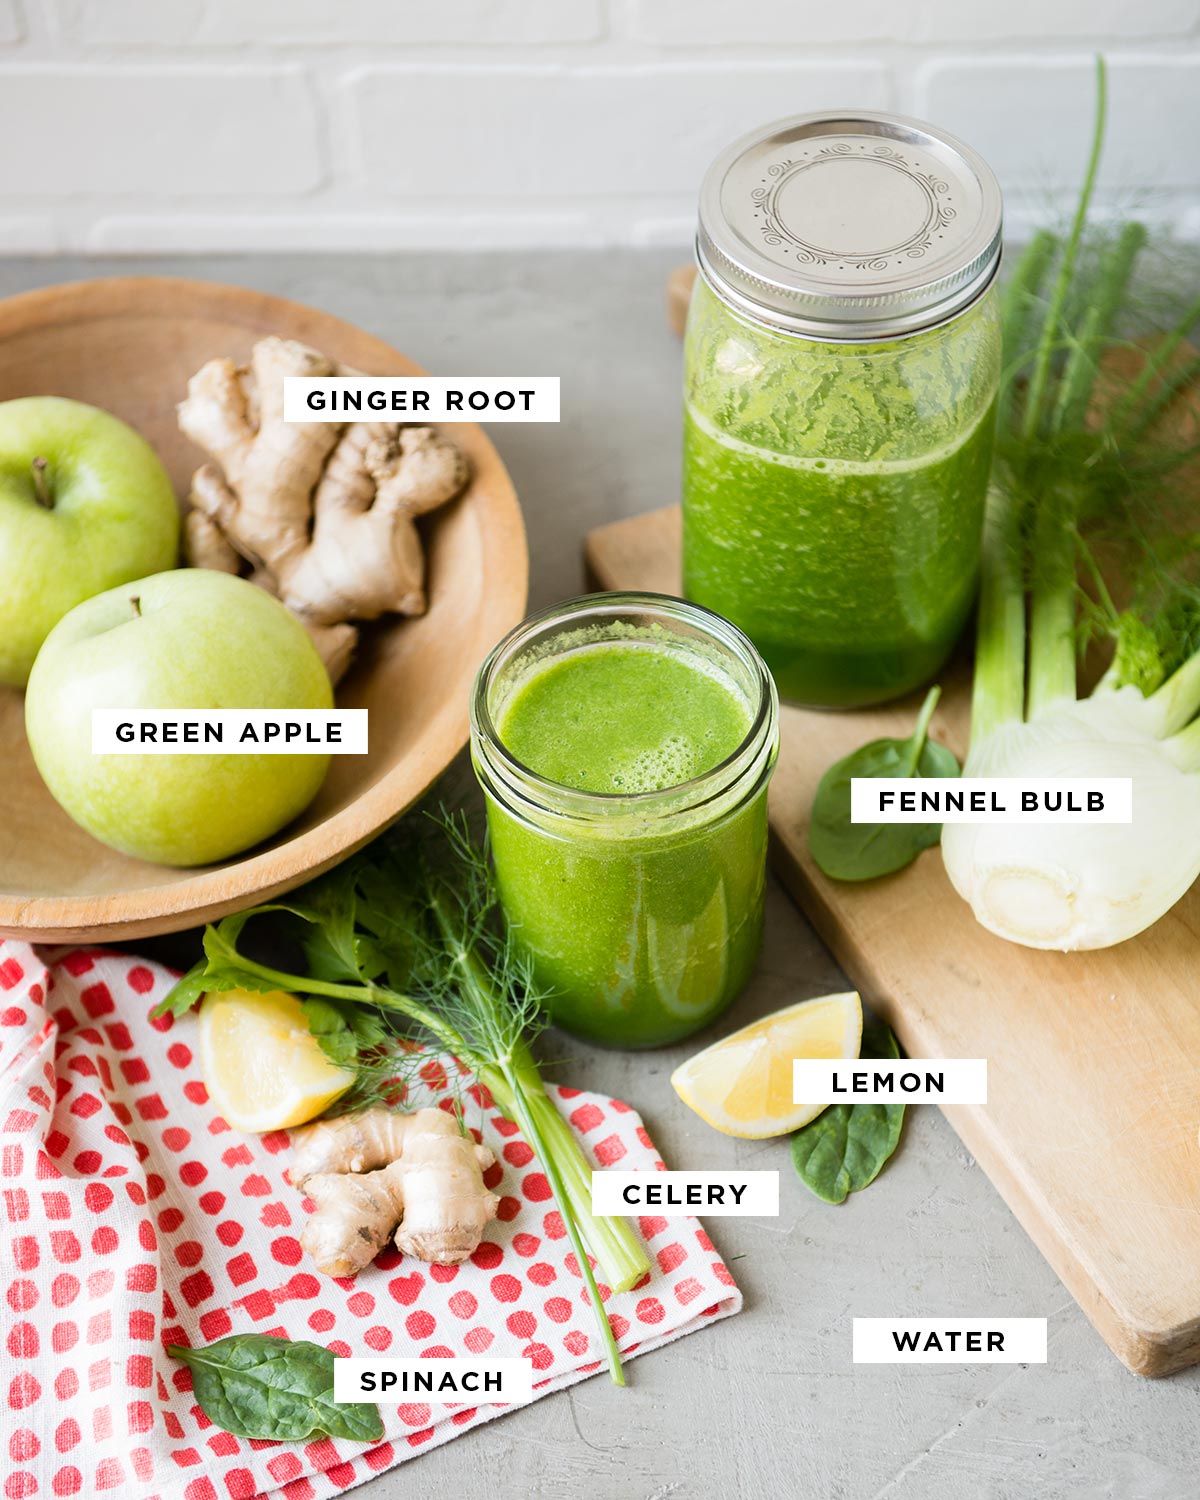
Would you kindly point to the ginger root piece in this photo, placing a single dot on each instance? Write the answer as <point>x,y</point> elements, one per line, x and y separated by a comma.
<point>356,1214</point>
<point>323,513</point>
<point>429,1181</point>
<point>269,467</point>
<point>206,546</point>
<point>356,1142</point>
<point>335,645</point>
<point>366,558</point>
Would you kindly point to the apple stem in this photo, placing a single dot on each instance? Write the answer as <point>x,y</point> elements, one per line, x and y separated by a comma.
<point>41,485</point>
<point>135,600</point>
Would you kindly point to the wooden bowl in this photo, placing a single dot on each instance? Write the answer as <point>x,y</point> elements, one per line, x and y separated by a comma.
<point>129,345</point>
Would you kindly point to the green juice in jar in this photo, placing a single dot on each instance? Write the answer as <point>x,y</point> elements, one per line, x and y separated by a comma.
<point>625,764</point>
<point>842,363</point>
<point>624,718</point>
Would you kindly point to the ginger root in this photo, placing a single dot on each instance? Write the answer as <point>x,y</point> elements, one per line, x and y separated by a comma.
<point>374,1170</point>
<point>320,514</point>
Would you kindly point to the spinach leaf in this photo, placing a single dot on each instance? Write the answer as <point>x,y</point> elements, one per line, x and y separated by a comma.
<point>863,851</point>
<point>258,1386</point>
<point>846,1147</point>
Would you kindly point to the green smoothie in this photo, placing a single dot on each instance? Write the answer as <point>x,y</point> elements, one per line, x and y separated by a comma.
<point>624,718</point>
<point>641,918</point>
<point>833,496</point>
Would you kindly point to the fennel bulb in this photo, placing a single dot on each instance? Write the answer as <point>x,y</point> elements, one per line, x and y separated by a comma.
<point>1085,885</point>
<point>1064,461</point>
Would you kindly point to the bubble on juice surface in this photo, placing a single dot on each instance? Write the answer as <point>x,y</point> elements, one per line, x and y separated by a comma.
<point>664,765</point>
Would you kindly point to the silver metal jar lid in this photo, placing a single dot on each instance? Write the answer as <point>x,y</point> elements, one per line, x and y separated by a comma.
<point>849,227</point>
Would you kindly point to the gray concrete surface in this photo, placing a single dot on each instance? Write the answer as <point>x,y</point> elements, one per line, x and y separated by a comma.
<point>767,1403</point>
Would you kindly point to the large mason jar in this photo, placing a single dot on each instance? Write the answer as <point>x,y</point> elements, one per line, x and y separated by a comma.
<point>842,364</point>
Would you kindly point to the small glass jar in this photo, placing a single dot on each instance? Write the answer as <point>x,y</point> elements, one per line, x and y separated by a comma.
<point>640,914</point>
<point>841,370</point>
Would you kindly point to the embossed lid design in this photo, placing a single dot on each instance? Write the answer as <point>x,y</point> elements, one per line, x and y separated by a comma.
<point>855,226</point>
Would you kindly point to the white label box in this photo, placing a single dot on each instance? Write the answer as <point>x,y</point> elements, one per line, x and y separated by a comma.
<point>444,1382</point>
<point>677,1195</point>
<point>949,1341</point>
<point>229,731</point>
<point>905,1080</point>
<point>421,398</point>
<point>991,799</point>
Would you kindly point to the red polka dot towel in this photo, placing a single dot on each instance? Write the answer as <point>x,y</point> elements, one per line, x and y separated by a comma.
<point>133,1217</point>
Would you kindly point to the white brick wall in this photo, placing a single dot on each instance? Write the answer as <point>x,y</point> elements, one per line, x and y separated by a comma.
<point>325,23</point>
<point>638,131</point>
<point>1154,107</point>
<point>929,23</point>
<point>164,132</point>
<point>171,125</point>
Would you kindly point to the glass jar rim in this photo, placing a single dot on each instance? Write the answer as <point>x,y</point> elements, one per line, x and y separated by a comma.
<point>686,798</point>
<point>845,336</point>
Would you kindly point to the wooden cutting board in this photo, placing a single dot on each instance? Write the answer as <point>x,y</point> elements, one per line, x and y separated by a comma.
<point>1090,1130</point>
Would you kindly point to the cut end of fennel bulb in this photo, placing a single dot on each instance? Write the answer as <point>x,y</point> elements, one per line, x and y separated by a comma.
<point>1074,886</point>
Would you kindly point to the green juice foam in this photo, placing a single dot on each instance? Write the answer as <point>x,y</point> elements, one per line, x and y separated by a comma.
<point>623,718</point>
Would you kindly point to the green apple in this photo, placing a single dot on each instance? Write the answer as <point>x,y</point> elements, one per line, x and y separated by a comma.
<point>84,504</point>
<point>185,639</point>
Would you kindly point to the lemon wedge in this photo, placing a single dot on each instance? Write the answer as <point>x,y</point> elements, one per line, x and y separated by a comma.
<point>742,1085</point>
<point>263,1067</point>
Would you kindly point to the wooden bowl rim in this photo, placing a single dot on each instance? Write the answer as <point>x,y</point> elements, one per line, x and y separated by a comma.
<point>214,892</point>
